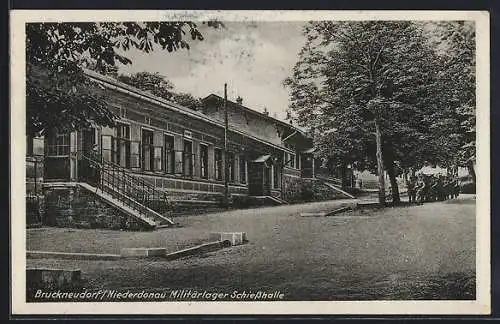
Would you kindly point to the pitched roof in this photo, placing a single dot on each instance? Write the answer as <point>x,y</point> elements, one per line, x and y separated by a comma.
<point>111,82</point>
<point>256,113</point>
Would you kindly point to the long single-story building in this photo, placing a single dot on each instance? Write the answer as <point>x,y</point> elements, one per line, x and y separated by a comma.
<point>179,152</point>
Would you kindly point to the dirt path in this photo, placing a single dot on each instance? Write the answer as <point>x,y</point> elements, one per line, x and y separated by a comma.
<point>419,252</point>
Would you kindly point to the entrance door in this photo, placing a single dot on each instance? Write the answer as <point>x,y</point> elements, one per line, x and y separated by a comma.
<point>88,142</point>
<point>57,158</point>
<point>259,179</point>
<point>267,180</point>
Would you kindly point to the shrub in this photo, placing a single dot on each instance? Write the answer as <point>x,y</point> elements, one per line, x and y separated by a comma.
<point>468,188</point>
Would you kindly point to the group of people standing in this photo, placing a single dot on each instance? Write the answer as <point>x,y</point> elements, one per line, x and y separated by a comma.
<point>425,188</point>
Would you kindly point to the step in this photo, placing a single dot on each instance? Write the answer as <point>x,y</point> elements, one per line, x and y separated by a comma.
<point>151,211</point>
<point>118,204</point>
<point>195,202</point>
<point>334,187</point>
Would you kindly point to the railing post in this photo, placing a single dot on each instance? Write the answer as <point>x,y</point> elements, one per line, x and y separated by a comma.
<point>124,182</point>
<point>101,171</point>
<point>113,177</point>
<point>143,192</point>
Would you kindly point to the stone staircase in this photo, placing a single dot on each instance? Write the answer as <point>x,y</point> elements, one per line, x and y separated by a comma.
<point>131,195</point>
<point>336,188</point>
<point>130,207</point>
<point>266,201</point>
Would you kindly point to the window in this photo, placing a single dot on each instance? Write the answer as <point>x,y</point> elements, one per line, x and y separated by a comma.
<point>123,112</point>
<point>203,161</point>
<point>107,147</point>
<point>58,145</point>
<point>168,144</point>
<point>188,158</point>
<point>123,145</point>
<point>218,164</point>
<point>135,154</point>
<point>147,150</point>
<point>230,166</point>
<point>243,173</point>
<point>158,158</point>
<point>290,158</point>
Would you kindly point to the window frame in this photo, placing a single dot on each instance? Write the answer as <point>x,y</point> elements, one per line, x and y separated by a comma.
<point>59,143</point>
<point>218,174</point>
<point>151,150</point>
<point>203,161</point>
<point>123,139</point>
<point>166,151</point>
<point>191,158</point>
<point>231,161</point>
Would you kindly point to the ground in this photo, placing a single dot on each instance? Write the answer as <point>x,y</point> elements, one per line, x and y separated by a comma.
<point>417,252</point>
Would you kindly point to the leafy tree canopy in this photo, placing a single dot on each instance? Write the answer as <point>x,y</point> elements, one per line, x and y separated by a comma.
<point>58,95</point>
<point>350,74</point>
<point>160,86</point>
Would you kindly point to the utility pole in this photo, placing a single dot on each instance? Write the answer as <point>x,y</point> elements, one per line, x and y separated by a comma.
<point>226,160</point>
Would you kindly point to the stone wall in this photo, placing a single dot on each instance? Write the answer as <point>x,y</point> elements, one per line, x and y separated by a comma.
<point>79,208</point>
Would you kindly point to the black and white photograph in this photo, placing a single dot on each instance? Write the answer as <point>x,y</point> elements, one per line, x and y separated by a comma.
<point>250,162</point>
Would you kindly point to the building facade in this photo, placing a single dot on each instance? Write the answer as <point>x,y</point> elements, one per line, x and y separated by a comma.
<point>180,151</point>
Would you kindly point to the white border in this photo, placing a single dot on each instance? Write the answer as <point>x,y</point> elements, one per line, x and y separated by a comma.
<point>17,40</point>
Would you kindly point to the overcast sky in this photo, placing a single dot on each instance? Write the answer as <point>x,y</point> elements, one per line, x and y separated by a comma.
<point>253,58</point>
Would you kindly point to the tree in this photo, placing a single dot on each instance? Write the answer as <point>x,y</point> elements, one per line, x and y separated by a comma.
<point>456,47</point>
<point>154,83</point>
<point>368,89</point>
<point>160,86</point>
<point>59,97</point>
<point>187,100</point>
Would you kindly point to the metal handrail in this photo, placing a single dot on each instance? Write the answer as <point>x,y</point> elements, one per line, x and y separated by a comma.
<point>132,191</point>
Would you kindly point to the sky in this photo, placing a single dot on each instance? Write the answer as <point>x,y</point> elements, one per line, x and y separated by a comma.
<point>253,58</point>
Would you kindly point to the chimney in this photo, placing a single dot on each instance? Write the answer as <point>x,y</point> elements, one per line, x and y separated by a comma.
<point>239,100</point>
<point>265,112</point>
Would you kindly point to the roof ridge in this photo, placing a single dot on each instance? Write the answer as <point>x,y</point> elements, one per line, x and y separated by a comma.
<point>257,112</point>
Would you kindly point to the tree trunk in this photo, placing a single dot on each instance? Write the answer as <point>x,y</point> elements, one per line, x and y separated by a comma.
<point>343,176</point>
<point>391,172</point>
<point>394,183</point>
<point>470,167</point>
<point>380,165</point>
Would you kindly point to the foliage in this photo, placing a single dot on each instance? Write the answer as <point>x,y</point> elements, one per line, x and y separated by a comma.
<point>160,86</point>
<point>154,83</point>
<point>346,65</point>
<point>58,95</point>
<point>187,100</point>
<point>350,74</point>
<point>458,85</point>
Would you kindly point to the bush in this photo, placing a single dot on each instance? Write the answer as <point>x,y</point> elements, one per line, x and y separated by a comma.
<point>468,188</point>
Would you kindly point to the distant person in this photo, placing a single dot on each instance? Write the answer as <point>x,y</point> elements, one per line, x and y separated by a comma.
<point>456,188</point>
<point>420,188</point>
<point>359,183</point>
<point>412,193</point>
